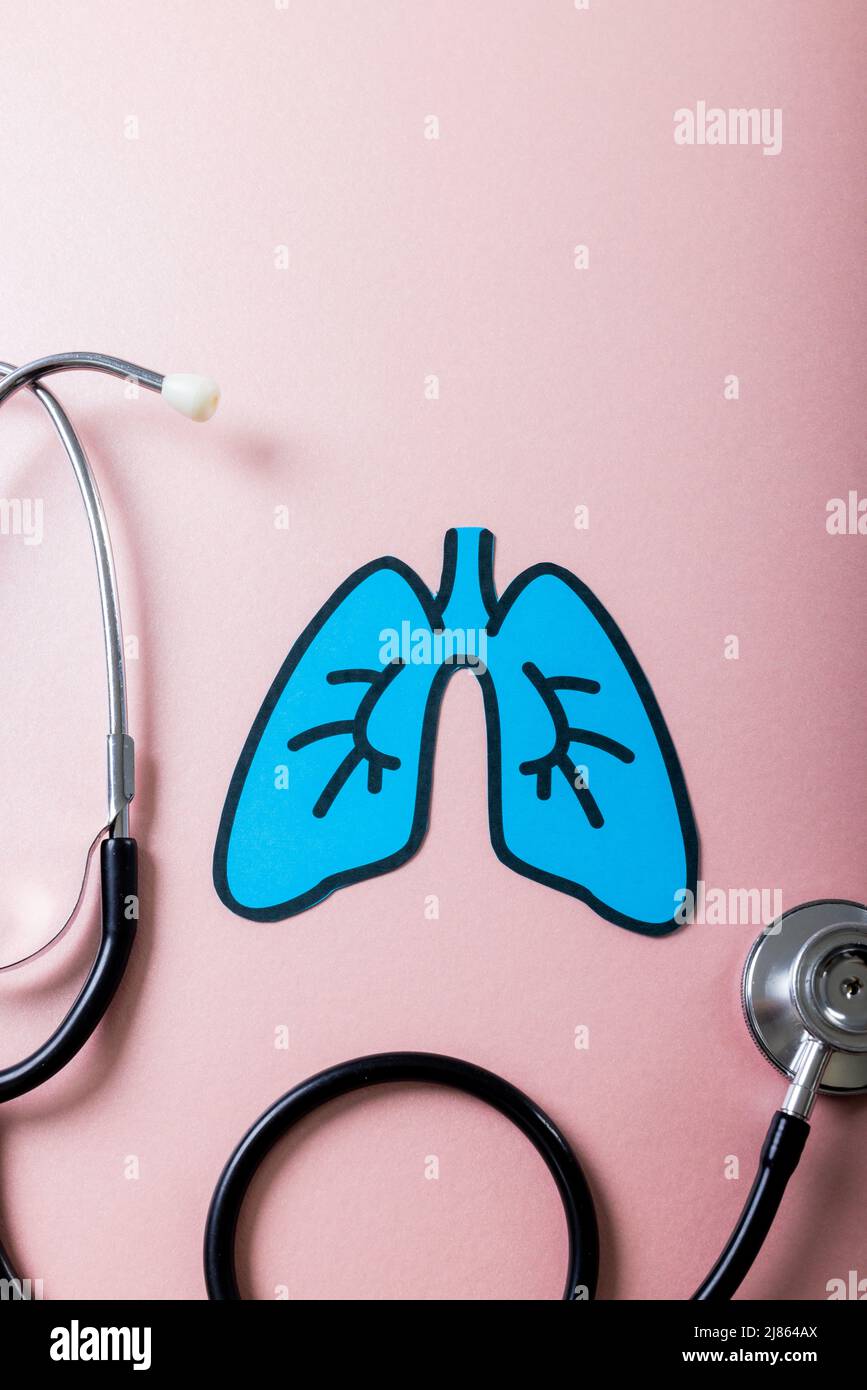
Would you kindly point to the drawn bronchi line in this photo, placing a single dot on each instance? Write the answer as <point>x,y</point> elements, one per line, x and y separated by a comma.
<point>585,790</point>
<point>363,750</point>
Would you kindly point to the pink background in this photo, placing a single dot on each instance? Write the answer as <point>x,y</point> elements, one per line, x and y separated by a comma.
<point>262,127</point>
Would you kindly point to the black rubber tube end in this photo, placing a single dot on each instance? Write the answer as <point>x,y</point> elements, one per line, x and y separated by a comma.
<point>781,1152</point>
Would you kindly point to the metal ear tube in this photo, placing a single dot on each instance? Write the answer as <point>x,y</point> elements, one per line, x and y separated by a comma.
<point>197,398</point>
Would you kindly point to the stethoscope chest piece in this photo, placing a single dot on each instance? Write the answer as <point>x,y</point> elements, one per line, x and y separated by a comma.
<point>806,978</point>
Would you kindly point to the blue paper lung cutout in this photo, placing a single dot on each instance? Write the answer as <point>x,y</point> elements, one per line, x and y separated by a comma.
<point>585,791</point>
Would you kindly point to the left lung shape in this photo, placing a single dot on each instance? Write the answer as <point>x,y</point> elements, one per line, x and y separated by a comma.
<point>334,780</point>
<point>585,790</point>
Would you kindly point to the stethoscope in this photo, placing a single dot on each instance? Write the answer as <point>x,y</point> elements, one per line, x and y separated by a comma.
<point>804,987</point>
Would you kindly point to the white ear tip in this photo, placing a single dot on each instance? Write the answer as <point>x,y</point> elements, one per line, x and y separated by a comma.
<point>197,397</point>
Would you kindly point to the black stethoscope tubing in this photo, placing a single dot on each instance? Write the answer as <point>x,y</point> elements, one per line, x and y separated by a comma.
<point>119,881</point>
<point>781,1151</point>
<point>390,1067</point>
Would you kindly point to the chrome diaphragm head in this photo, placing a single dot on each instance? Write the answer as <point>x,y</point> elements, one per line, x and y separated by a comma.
<point>806,977</point>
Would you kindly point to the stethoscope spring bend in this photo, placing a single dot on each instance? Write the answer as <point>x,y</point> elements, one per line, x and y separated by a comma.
<point>804,987</point>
